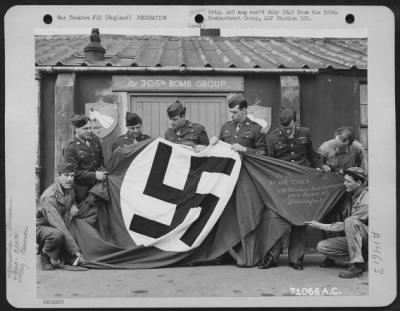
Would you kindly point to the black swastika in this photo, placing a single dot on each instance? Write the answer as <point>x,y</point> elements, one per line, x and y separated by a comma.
<point>184,199</point>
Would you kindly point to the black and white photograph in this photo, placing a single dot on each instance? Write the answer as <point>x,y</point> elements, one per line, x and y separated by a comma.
<point>213,156</point>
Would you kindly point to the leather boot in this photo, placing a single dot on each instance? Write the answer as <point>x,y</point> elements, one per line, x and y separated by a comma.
<point>45,262</point>
<point>296,265</point>
<point>268,263</point>
<point>355,269</point>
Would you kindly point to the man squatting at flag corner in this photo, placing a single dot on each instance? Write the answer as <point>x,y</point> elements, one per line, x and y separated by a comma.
<point>55,210</point>
<point>353,246</point>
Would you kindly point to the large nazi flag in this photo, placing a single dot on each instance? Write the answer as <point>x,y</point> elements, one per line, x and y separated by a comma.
<point>171,198</point>
<point>166,205</point>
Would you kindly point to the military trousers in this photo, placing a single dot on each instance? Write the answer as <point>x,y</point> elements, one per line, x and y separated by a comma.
<point>297,245</point>
<point>353,247</point>
<point>50,240</point>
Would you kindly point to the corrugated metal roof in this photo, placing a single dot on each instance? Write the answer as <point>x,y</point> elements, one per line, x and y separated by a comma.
<point>216,52</point>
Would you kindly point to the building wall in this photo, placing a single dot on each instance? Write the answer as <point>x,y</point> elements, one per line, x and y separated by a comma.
<point>47,130</point>
<point>330,100</point>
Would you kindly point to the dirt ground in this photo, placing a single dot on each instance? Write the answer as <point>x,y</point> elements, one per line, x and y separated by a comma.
<point>202,281</point>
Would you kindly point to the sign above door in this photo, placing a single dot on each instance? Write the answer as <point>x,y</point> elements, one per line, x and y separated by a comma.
<point>178,83</point>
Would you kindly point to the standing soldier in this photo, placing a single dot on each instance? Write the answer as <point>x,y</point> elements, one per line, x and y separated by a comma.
<point>183,131</point>
<point>293,144</point>
<point>134,133</point>
<point>84,151</point>
<point>243,134</point>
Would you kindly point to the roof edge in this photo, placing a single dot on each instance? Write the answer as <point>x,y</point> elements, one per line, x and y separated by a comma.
<point>177,69</point>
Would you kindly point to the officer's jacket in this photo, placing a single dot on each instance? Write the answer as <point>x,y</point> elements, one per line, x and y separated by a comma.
<point>190,134</point>
<point>298,149</point>
<point>125,140</point>
<point>53,210</point>
<point>86,159</point>
<point>249,135</point>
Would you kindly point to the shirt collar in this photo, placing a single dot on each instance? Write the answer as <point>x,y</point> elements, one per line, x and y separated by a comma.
<point>60,188</point>
<point>357,193</point>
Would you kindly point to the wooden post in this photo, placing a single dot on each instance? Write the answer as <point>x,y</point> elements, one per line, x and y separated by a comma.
<point>38,166</point>
<point>124,107</point>
<point>290,94</point>
<point>64,108</point>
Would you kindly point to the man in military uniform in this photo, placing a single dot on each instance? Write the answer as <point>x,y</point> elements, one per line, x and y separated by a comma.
<point>134,133</point>
<point>183,131</point>
<point>354,245</point>
<point>55,210</point>
<point>291,143</point>
<point>85,152</point>
<point>243,134</point>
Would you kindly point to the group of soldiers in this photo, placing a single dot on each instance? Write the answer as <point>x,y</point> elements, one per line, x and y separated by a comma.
<point>83,164</point>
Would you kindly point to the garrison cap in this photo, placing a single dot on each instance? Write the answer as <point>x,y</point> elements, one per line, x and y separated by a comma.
<point>286,116</point>
<point>65,167</point>
<point>356,172</point>
<point>237,99</point>
<point>79,120</point>
<point>132,118</point>
<point>176,109</point>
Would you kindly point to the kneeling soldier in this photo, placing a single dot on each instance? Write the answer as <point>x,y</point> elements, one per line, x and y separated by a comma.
<point>55,209</point>
<point>354,245</point>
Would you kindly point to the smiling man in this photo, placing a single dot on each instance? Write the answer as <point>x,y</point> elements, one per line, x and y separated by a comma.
<point>55,210</point>
<point>354,245</point>
<point>183,131</point>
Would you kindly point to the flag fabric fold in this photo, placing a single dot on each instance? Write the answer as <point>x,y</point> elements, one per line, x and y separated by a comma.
<point>165,205</point>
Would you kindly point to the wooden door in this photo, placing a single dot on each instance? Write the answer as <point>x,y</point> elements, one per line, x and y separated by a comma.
<point>210,111</point>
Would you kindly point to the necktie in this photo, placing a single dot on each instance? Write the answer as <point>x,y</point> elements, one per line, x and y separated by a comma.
<point>238,127</point>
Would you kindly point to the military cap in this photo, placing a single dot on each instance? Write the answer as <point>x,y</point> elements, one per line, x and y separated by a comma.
<point>286,116</point>
<point>132,118</point>
<point>65,167</point>
<point>79,120</point>
<point>237,99</point>
<point>176,109</point>
<point>356,172</point>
